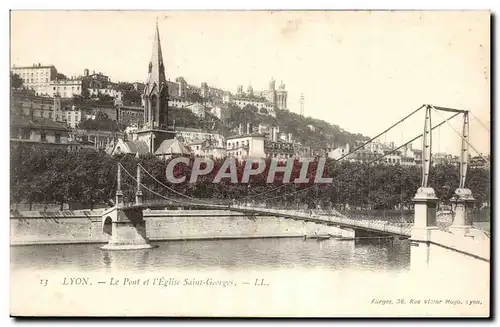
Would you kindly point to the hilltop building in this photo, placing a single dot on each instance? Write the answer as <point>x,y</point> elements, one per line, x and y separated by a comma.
<point>36,76</point>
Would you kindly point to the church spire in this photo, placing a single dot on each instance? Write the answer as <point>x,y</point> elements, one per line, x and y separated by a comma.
<point>156,71</point>
<point>155,92</point>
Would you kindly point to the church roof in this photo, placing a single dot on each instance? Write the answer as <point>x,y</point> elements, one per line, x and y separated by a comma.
<point>172,146</point>
<point>139,147</point>
<point>130,147</point>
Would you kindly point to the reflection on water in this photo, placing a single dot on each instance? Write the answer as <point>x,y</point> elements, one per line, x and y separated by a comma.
<point>272,253</point>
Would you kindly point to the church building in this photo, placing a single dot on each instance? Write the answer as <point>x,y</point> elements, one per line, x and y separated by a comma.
<point>149,137</point>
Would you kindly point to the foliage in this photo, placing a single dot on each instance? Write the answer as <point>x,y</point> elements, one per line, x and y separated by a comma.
<point>16,82</point>
<point>57,176</point>
<point>185,118</point>
<point>322,137</point>
<point>124,86</point>
<point>100,123</point>
<point>195,97</point>
<point>132,97</point>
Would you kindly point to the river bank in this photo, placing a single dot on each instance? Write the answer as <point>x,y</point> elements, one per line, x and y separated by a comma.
<point>85,226</point>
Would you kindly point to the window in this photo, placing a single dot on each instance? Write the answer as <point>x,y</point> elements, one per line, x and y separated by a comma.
<point>58,137</point>
<point>43,136</point>
<point>25,134</point>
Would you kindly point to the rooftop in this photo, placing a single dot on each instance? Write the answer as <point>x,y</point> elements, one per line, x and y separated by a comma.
<point>245,136</point>
<point>33,66</point>
<point>36,123</point>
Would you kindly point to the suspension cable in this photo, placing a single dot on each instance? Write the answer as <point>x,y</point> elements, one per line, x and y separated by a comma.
<point>461,136</point>
<point>479,121</point>
<point>343,156</point>
<point>376,159</point>
<point>171,189</point>
<point>148,189</point>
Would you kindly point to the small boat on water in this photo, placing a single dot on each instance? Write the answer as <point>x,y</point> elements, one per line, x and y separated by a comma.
<point>318,236</point>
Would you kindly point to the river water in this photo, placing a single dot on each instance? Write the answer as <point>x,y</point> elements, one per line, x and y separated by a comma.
<point>278,277</point>
<point>270,253</point>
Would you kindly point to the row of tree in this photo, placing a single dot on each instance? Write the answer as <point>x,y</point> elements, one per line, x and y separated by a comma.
<point>57,176</point>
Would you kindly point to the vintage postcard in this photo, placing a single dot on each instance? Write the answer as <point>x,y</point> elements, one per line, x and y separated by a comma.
<point>250,163</point>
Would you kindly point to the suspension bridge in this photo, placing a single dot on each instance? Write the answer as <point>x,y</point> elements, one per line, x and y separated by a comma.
<point>125,224</point>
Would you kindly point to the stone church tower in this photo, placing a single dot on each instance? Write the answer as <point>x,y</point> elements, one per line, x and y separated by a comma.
<point>155,92</point>
<point>154,130</point>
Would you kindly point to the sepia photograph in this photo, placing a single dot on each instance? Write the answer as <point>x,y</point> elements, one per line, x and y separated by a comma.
<point>250,163</point>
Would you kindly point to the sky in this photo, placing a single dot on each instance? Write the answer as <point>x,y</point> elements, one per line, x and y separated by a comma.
<point>360,70</point>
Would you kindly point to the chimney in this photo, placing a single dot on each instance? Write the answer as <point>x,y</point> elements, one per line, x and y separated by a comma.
<point>57,106</point>
<point>290,138</point>
<point>347,148</point>
<point>275,134</point>
<point>240,129</point>
<point>32,112</point>
<point>249,128</point>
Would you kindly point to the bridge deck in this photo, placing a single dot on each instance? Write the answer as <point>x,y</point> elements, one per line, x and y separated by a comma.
<point>319,216</point>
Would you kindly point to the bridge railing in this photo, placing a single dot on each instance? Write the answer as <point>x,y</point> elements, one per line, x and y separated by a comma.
<point>319,214</point>
<point>334,217</point>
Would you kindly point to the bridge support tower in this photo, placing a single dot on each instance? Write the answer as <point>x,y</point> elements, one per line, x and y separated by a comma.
<point>423,225</point>
<point>462,200</point>
<point>425,214</point>
<point>462,222</point>
<point>125,225</point>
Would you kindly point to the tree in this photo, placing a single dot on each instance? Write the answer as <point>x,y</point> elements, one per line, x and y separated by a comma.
<point>132,97</point>
<point>16,82</point>
<point>101,124</point>
<point>78,100</point>
<point>195,97</point>
<point>59,176</point>
<point>85,93</point>
<point>250,107</point>
<point>125,87</point>
<point>61,76</point>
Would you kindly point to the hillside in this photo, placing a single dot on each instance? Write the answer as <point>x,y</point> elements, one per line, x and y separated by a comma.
<point>322,134</point>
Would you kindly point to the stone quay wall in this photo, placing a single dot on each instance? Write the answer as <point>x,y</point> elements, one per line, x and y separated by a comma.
<point>85,226</point>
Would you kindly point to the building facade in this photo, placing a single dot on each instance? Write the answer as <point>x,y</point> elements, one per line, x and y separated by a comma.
<point>24,103</point>
<point>40,132</point>
<point>36,76</point>
<point>66,88</point>
<point>193,135</point>
<point>246,146</point>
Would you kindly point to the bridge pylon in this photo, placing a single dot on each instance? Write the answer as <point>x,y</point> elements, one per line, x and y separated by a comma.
<point>138,193</point>
<point>425,202</point>
<point>126,229</point>
<point>463,199</point>
<point>119,193</point>
<point>125,225</point>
